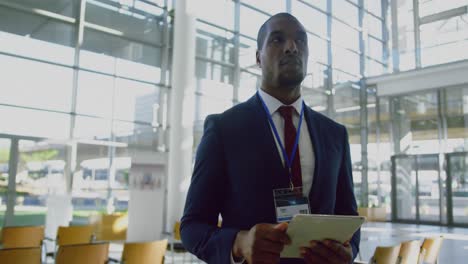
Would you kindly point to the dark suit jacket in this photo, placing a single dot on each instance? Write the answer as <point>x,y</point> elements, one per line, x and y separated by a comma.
<point>238,165</point>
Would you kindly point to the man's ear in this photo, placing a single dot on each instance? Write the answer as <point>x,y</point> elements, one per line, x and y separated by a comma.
<point>257,55</point>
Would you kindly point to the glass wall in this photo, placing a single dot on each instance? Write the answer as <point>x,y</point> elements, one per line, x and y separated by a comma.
<point>89,94</point>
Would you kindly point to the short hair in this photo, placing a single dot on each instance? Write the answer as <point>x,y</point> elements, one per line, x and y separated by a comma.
<point>262,31</point>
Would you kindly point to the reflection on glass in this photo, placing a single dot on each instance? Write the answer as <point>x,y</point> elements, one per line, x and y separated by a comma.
<point>405,169</point>
<point>312,19</point>
<point>428,188</point>
<point>346,12</point>
<point>457,119</point>
<point>37,89</point>
<point>214,43</point>
<point>442,41</point>
<point>248,85</point>
<point>345,60</point>
<point>4,160</point>
<point>26,122</point>
<point>94,94</point>
<point>121,48</point>
<point>38,49</point>
<point>438,6</point>
<point>133,19</point>
<point>36,27</point>
<point>209,70</point>
<point>205,9</point>
<point>247,53</point>
<point>459,173</point>
<point>250,21</point>
<point>135,101</point>
<point>40,173</point>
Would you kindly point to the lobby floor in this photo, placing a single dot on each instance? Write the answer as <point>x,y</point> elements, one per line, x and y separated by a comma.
<point>454,248</point>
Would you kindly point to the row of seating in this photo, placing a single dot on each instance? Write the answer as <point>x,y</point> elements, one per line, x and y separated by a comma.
<point>74,244</point>
<point>408,252</point>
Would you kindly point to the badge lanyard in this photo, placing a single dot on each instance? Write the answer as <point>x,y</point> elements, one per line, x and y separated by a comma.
<point>288,160</point>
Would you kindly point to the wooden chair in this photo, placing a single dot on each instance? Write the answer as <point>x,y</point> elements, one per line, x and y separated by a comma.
<point>73,235</point>
<point>20,255</point>
<point>386,255</point>
<point>83,253</point>
<point>430,249</point>
<point>110,227</point>
<point>145,252</point>
<point>409,252</point>
<point>22,236</point>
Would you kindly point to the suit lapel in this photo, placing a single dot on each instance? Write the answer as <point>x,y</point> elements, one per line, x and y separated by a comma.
<point>314,128</point>
<point>264,139</point>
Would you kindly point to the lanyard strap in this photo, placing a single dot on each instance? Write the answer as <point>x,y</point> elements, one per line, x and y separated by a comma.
<point>288,159</point>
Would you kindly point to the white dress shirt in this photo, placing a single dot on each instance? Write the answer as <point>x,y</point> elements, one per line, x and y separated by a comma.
<point>306,150</point>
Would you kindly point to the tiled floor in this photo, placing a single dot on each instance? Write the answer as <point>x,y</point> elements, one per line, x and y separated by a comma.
<point>454,248</point>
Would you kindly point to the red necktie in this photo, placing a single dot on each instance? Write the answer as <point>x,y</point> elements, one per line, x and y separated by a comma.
<point>289,140</point>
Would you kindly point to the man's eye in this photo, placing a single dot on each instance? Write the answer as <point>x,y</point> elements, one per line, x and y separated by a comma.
<point>301,40</point>
<point>276,39</point>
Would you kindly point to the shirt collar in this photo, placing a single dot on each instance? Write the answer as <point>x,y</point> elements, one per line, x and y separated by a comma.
<point>274,104</point>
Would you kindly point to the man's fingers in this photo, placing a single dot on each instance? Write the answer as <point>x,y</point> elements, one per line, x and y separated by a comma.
<point>276,234</point>
<point>311,258</point>
<point>318,248</point>
<point>269,246</point>
<point>341,250</point>
<point>282,226</point>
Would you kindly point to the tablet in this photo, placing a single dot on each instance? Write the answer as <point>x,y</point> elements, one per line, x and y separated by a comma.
<point>304,228</point>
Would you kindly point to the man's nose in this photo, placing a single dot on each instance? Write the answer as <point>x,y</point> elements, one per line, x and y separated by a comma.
<point>290,47</point>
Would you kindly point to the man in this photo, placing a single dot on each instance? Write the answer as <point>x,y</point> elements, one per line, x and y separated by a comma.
<point>260,146</point>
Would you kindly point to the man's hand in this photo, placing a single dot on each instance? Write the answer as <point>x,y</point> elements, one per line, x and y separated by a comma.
<point>327,251</point>
<point>263,243</point>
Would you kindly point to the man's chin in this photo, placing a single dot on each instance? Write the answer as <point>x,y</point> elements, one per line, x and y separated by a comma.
<point>291,81</point>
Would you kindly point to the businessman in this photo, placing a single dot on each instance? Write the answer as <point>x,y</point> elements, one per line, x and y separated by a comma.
<point>271,144</point>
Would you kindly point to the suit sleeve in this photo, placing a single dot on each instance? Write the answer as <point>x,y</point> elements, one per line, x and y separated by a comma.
<point>345,200</point>
<point>199,231</point>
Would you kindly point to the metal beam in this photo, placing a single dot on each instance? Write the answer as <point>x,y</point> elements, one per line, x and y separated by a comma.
<point>417,34</point>
<point>395,47</point>
<point>459,11</point>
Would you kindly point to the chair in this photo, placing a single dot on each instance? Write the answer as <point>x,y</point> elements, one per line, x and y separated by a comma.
<point>110,227</point>
<point>73,235</point>
<point>20,255</point>
<point>430,249</point>
<point>386,255</point>
<point>22,236</point>
<point>83,253</point>
<point>409,252</point>
<point>145,252</point>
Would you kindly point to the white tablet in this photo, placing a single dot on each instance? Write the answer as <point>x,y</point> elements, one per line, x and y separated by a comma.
<point>303,228</point>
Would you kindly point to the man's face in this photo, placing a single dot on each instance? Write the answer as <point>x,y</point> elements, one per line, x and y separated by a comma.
<point>284,54</point>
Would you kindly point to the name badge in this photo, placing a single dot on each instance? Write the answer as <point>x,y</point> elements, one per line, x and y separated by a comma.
<point>289,202</point>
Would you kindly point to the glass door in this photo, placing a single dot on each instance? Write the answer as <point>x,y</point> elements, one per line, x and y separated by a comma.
<point>457,188</point>
<point>416,187</point>
<point>428,188</point>
<point>404,186</point>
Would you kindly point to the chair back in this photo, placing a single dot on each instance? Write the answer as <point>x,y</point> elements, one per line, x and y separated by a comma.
<point>20,255</point>
<point>409,252</point>
<point>431,249</point>
<point>22,236</point>
<point>386,255</point>
<point>73,235</point>
<point>145,252</point>
<point>177,231</point>
<point>110,227</point>
<point>83,253</point>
